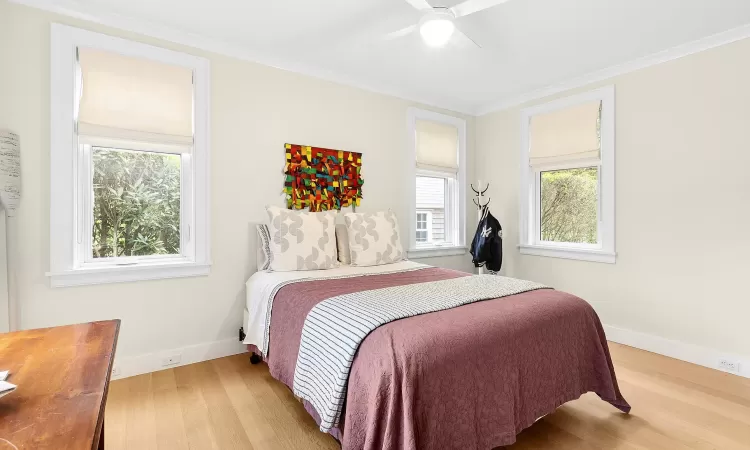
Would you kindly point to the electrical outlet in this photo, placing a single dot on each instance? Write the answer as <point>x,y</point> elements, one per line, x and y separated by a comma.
<point>729,365</point>
<point>116,371</point>
<point>171,360</point>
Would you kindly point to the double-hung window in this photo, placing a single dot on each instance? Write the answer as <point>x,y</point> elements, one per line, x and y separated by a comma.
<point>424,227</point>
<point>129,166</point>
<point>567,179</point>
<point>437,220</point>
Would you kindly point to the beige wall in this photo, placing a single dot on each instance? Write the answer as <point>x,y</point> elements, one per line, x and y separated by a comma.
<point>683,202</point>
<point>254,111</point>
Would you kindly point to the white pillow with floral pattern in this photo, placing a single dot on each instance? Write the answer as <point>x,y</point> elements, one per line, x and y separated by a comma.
<point>374,238</point>
<point>301,240</point>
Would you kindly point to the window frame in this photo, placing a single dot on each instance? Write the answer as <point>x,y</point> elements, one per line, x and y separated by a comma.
<point>70,170</point>
<point>530,185</point>
<point>85,198</point>
<point>455,207</point>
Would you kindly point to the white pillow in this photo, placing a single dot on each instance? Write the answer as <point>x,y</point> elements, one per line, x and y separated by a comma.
<point>374,238</point>
<point>263,252</point>
<point>342,243</point>
<point>301,240</point>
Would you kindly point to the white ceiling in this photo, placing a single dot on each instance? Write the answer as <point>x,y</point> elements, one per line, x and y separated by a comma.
<point>527,45</point>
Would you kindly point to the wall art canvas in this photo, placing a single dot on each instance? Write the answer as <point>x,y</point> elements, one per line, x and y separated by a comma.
<point>322,179</point>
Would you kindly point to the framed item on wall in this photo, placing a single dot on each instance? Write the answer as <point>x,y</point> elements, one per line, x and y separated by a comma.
<point>322,179</point>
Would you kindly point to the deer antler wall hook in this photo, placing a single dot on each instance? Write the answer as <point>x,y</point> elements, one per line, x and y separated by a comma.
<point>479,205</point>
<point>479,193</point>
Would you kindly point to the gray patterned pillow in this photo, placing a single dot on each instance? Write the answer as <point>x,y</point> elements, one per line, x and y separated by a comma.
<point>342,242</point>
<point>263,251</point>
<point>374,238</point>
<point>301,240</point>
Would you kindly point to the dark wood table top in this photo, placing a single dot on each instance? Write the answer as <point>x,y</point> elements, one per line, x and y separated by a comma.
<point>62,374</point>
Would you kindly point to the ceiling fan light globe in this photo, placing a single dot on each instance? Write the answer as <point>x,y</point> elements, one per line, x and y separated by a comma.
<point>436,31</point>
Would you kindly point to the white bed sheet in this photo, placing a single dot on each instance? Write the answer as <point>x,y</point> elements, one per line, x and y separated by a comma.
<point>261,286</point>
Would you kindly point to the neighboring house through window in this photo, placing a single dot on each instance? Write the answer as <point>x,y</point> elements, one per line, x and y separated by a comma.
<point>568,182</point>
<point>130,134</point>
<point>424,227</point>
<point>438,142</point>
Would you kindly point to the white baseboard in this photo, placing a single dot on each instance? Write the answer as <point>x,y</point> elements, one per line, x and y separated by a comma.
<point>152,362</point>
<point>691,353</point>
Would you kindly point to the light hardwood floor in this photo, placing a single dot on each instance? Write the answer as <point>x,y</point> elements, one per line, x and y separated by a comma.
<point>229,404</point>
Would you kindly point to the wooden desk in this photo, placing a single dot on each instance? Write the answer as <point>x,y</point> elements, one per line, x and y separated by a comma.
<point>62,375</point>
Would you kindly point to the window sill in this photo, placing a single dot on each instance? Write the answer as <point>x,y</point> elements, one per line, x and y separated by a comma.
<point>123,274</point>
<point>431,252</point>
<point>569,253</point>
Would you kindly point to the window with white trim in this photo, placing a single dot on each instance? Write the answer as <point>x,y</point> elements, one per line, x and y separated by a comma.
<point>424,227</point>
<point>130,136</point>
<point>438,143</point>
<point>567,181</point>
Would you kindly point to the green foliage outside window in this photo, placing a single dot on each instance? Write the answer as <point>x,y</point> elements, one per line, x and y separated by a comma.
<point>136,203</point>
<point>569,205</point>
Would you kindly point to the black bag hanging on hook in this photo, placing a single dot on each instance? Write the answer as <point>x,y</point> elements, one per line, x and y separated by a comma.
<point>487,245</point>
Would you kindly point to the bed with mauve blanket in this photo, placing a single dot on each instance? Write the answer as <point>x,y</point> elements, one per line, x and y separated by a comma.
<point>469,377</point>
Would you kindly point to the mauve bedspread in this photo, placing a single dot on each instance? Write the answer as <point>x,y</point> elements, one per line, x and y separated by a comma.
<point>470,377</point>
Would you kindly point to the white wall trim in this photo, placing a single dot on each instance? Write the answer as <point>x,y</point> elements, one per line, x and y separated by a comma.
<point>412,115</point>
<point>691,353</point>
<point>154,30</point>
<point>697,46</point>
<point>529,219</point>
<point>432,252</point>
<point>569,253</point>
<point>151,362</point>
<point>71,9</point>
<point>130,366</point>
<point>70,208</point>
<point>124,274</point>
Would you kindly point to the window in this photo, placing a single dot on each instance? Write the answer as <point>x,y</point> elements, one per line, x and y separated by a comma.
<point>438,143</point>
<point>424,227</point>
<point>136,203</point>
<point>569,205</point>
<point>130,136</point>
<point>567,208</point>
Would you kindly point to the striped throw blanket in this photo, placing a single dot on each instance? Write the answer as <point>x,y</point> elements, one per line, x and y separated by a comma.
<point>335,328</point>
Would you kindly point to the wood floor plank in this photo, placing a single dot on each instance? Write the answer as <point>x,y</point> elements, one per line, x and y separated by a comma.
<point>140,415</point>
<point>227,428</point>
<point>170,425</point>
<point>260,432</point>
<point>230,404</point>
<point>195,414</point>
<point>115,419</point>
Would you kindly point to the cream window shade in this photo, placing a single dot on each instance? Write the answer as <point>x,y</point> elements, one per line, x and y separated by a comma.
<point>437,146</point>
<point>134,102</point>
<point>570,134</point>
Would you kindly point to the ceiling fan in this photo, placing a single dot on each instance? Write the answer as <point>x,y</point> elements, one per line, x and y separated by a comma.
<point>438,23</point>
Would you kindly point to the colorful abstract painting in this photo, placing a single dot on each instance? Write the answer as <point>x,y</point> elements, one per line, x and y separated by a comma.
<point>322,179</point>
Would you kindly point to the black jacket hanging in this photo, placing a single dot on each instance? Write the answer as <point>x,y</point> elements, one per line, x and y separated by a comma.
<point>487,245</point>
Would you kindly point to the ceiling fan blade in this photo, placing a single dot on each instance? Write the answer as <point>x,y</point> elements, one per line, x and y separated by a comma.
<point>472,6</point>
<point>419,4</point>
<point>464,40</point>
<point>400,33</point>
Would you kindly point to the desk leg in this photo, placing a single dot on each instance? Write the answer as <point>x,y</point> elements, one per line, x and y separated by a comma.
<point>101,438</point>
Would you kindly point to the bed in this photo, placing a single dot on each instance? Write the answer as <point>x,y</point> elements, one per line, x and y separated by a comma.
<point>466,377</point>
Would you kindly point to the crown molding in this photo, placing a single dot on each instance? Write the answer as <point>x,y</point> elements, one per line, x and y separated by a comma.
<point>73,9</point>
<point>697,46</point>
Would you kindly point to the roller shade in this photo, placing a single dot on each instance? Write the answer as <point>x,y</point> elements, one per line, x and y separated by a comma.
<point>437,146</point>
<point>570,134</point>
<point>126,101</point>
